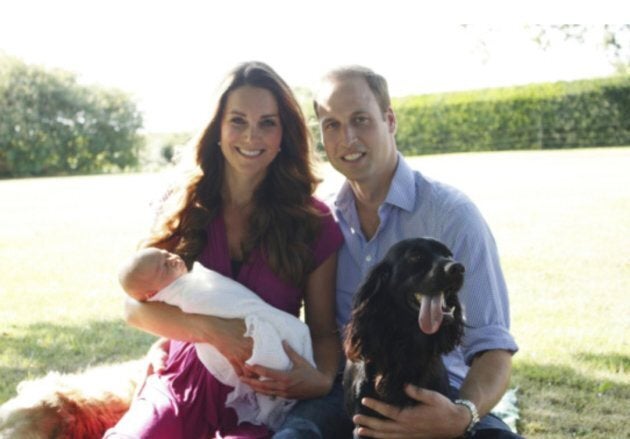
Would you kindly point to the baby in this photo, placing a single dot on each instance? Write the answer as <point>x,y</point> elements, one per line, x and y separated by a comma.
<point>157,275</point>
<point>149,271</point>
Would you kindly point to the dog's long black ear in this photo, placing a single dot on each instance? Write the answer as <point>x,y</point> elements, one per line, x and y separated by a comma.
<point>377,279</point>
<point>367,306</point>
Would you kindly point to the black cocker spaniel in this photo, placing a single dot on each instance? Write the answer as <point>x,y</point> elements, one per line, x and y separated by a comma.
<point>405,316</point>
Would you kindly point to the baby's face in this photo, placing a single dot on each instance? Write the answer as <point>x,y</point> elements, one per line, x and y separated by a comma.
<point>166,267</point>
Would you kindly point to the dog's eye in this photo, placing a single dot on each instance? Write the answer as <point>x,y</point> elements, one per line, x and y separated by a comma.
<point>415,258</point>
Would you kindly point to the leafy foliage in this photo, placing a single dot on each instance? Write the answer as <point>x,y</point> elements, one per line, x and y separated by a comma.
<point>304,97</point>
<point>51,125</point>
<point>613,38</point>
<point>540,116</point>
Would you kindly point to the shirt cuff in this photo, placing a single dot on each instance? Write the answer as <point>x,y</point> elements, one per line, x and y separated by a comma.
<point>487,338</point>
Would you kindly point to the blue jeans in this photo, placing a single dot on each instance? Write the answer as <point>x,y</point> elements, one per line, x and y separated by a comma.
<point>319,418</point>
<point>488,427</point>
<point>492,427</point>
<point>326,418</point>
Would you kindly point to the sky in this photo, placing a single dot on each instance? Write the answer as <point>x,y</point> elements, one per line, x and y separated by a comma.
<point>171,55</point>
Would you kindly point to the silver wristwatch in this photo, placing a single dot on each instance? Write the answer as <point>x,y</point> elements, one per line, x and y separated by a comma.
<point>474,414</point>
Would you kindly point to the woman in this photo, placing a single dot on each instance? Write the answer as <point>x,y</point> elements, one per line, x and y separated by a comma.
<point>248,213</point>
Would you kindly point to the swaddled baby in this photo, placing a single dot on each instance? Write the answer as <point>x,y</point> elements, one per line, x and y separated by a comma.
<point>157,275</point>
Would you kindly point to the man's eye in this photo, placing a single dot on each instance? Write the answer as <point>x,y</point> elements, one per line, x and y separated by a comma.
<point>361,120</point>
<point>331,125</point>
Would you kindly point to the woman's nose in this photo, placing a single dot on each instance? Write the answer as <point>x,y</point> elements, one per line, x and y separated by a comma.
<point>252,133</point>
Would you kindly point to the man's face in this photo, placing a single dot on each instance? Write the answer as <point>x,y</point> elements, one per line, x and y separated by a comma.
<point>357,136</point>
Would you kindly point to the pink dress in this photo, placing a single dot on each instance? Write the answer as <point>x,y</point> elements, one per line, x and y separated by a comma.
<point>185,400</point>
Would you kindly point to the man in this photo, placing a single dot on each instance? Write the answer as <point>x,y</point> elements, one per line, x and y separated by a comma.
<point>382,202</point>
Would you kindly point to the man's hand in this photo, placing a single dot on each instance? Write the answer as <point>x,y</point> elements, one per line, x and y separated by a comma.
<point>301,382</point>
<point>434,417</point>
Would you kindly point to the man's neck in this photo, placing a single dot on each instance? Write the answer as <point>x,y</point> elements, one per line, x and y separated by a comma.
<point>371,193</point>
<point>368,196</point>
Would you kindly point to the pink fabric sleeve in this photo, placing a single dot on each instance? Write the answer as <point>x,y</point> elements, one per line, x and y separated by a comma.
<point>330,237</point>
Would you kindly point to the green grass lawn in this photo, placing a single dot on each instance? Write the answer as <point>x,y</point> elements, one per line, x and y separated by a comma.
<point>561,220</point>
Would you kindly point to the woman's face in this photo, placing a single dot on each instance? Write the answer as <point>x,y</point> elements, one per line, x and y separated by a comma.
<point>251,132</point>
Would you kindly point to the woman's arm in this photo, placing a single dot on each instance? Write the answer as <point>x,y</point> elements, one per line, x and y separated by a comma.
<point>303,380</point>
<point>169,321</point>
<point>319,307</point>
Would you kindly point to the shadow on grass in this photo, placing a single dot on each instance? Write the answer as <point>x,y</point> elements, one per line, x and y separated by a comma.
<point>570,378</point>
<point>613,362</point>
<point>42,347</point>
<point>560,401</point>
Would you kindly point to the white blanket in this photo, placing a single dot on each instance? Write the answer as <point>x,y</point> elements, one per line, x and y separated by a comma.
<point>204,291</point>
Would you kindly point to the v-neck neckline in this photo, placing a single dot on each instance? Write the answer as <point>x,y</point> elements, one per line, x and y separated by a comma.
<point>224,248</point>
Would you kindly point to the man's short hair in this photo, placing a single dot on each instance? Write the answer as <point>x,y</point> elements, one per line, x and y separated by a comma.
<point>376,82</point>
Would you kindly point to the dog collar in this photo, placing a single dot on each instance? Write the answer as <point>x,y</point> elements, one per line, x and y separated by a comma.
<point>474,414</point>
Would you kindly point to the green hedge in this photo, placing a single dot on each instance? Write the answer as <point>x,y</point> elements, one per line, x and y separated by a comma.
<point>559,115</point>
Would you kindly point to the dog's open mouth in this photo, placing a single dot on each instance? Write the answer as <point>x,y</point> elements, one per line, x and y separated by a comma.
<point>432,311</point>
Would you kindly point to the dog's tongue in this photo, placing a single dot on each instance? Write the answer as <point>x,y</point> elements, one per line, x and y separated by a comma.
<point>430,317</point>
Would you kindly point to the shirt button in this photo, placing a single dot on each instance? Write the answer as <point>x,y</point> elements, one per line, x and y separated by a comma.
<point>368,258</point>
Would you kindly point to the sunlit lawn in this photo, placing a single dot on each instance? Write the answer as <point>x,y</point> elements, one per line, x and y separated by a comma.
<point>561,220</point>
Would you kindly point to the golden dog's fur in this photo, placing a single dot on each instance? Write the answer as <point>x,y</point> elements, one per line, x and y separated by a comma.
<point>81,405</point>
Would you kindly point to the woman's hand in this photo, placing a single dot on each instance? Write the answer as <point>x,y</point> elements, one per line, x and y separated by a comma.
<point>228,337</point>
<point>155,362</point>
<point>156,356</point>
<point>301,382</point>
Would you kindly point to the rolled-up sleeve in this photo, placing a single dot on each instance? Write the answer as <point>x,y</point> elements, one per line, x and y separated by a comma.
<point>484,294</point>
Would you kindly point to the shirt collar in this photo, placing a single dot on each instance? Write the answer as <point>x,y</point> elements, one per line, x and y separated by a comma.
<point>402,190</point>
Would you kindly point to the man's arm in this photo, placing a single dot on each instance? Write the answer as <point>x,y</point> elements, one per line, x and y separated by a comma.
<point>487,379</point>
<point>437,416</point>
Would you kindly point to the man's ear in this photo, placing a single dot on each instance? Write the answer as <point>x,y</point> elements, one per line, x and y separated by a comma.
<point>392,123</point>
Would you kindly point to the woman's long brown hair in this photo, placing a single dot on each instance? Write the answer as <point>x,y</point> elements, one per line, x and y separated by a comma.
<point>283,222</point>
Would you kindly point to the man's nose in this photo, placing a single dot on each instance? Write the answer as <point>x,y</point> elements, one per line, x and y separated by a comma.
<point>349,135</point>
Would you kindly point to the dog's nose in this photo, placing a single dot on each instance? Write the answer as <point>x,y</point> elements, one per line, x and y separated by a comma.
<point>454,269</point>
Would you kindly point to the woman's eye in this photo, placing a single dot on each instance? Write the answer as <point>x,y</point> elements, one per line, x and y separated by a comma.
<point>268,123</point>
<point>238,121</point>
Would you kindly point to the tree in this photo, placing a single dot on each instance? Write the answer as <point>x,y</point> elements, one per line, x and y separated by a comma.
<point>304,97</point>
<point>52,125</point>
<point>614,39</point>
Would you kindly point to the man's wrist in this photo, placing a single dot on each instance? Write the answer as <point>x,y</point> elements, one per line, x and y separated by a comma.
<point>472,410</point>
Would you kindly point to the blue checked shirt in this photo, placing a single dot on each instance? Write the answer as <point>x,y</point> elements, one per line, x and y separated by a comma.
<point>419,207</point>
